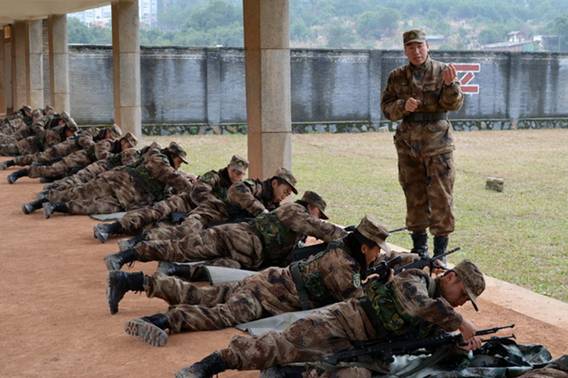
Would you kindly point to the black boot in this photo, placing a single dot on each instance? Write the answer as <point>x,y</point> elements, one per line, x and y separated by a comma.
<point>117,260</point>
<point>151,329</point>
<point>188,272</point>
<point>49,208</point>
<point>420,243</point>
<point>7,164</point>
<point>119,283</point>
<point>30,207</point>
<point>123,245</point>
<point>206,368</point>
<point>13,177</point>
<point>440,245</point>
<point>104,230</point>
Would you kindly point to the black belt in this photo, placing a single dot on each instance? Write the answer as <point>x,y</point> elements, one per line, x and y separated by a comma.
<point>426,117</point>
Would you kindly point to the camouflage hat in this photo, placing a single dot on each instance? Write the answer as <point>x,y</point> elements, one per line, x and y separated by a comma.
<point>27,108</point>
<point>48,109</point>
<point>176,149</point>
<point>374,231</point>
<point>472,278</point>
<point>413,36</point>
<point>288,177</point>
<point>315,199</point>
<point>37,114</point>
<point>70,122</point>
<point>239,163</point>
<point>130,138</point>
<point>115,131</point>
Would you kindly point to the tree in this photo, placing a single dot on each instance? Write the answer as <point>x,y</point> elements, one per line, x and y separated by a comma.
<point>376,24</point>
<point>340,36</point>
<point>559,26</point>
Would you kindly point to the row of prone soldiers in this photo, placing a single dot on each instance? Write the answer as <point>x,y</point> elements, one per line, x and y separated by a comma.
<point>222,219</point>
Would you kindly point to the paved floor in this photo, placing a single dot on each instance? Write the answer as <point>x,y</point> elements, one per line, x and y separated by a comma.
<point>53,315</point>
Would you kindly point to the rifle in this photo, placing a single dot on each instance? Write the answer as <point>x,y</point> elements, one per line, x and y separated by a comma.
<point>425,261</point>
<point>385,350</point>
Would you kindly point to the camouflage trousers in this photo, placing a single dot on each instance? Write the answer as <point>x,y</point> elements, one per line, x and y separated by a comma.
<point>202,216</point>
<point>135,220</point>
<point>428,187</point>
<point>85,175</point>
<point>194,308</point>
<point>10,149</point>
<point>237,241</point>
<point>326,331</point>
<point>106,194</point>
<point>62,168</point>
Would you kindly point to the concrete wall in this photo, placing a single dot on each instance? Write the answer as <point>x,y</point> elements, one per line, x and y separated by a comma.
<point>205,86</point>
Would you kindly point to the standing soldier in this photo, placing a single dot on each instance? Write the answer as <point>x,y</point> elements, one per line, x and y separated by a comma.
<point>420,94</point>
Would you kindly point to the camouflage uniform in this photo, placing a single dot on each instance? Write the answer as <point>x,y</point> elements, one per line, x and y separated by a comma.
<point>424,143</point>
<point>268,239</point>
<point>411,301</point>
<point>124,188</point>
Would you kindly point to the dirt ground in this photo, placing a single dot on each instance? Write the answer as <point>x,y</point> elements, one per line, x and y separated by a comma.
<point>54,319</point>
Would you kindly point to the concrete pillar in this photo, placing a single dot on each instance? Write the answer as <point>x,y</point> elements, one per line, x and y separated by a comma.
<point>267,52</point>
<point>2,89</point>
<point>35,63</point>
<point>126,65</point>
<point>20,87</point>
<point>213,87</point>
<point>58,62</point>
<point>375,87</point>
<point>8,69</point>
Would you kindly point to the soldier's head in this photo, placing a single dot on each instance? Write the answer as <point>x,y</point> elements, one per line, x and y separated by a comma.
<point>369,238</point>
<point>48,110</point>
<point>127,141</point>
<point>176,154</point>
<point>314,203</point>
<point>283,184</point>
<point>415,46</point>
<point>69,130</point>
<point>26,111</point>
<point>37,114</point>
<point>69,121</point>
<point>463,283</point>
<point>237,169</point>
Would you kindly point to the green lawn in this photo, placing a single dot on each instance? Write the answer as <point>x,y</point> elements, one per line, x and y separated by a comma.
<point>520,235</point>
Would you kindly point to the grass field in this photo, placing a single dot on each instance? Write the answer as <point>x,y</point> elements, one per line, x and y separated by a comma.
<point>520,235</point>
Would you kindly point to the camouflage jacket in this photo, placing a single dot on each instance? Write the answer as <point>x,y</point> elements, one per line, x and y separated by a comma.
<point>253,196</point>
<point>411,301</point>
<point>212,186</point>
<point>159,168</point>
<point>281,229</point>
<point>424,83</point>
<point>59,150</point>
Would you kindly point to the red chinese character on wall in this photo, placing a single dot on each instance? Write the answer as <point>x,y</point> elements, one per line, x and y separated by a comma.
<point>466,73</point>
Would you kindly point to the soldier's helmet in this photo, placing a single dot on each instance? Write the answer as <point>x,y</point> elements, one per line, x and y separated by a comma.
<point>414,35</point>
<point>177,150</point>
<point>314,199</point>
<point>286,176</point>
<point>130,138</point>
<point>115,131</point>
<point>239,163</point>
<point>69,121</point>
<point>374,231</point>
<point>472,278</point>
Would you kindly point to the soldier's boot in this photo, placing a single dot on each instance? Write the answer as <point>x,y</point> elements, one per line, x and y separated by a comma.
<point>50,208</point>
<point>420,243</point>
<point>440,246</point>
<point>123,245</point>
<point>6,164</point>
<point>120,283</point>
<point>103,231</point>
<point>150,329</point>
<point>42,195</point>
<point>115,261</point>
<point>188,272</point>
<point>206,368</point>
<point>13,177</point>
<point>32,206</point>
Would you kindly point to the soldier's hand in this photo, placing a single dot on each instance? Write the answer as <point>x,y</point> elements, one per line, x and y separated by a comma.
<point>472,344</point>
<point>467,329</point>
<point>449,74</point>
<point>412,104</point>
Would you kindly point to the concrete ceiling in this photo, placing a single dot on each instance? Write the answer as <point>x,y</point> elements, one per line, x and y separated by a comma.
<point>12,10</point>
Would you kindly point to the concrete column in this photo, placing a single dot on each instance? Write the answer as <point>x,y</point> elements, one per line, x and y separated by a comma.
<point>35,63</point>
<point>2,89</point>
<point>375,87</point>
<point>267,52</point>
<point>126,65</point>
<point>20,87</point>
<point>58,62</point>
<point>8,69</point>
<point>213,87</point>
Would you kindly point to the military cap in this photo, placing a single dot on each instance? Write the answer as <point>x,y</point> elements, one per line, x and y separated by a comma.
<point>176,149</point>
<point>37,113</point>
<point>130,138</point>
<point>472,278</point>
<point>27,108</point>
<point>374,231</point>
<point>239,163</point>
<point>288,177</point>
<point>414,35</point>
<point>70,122</point>
<point>48,110</point>
<point>115,131</point>
<point>314,199</point>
